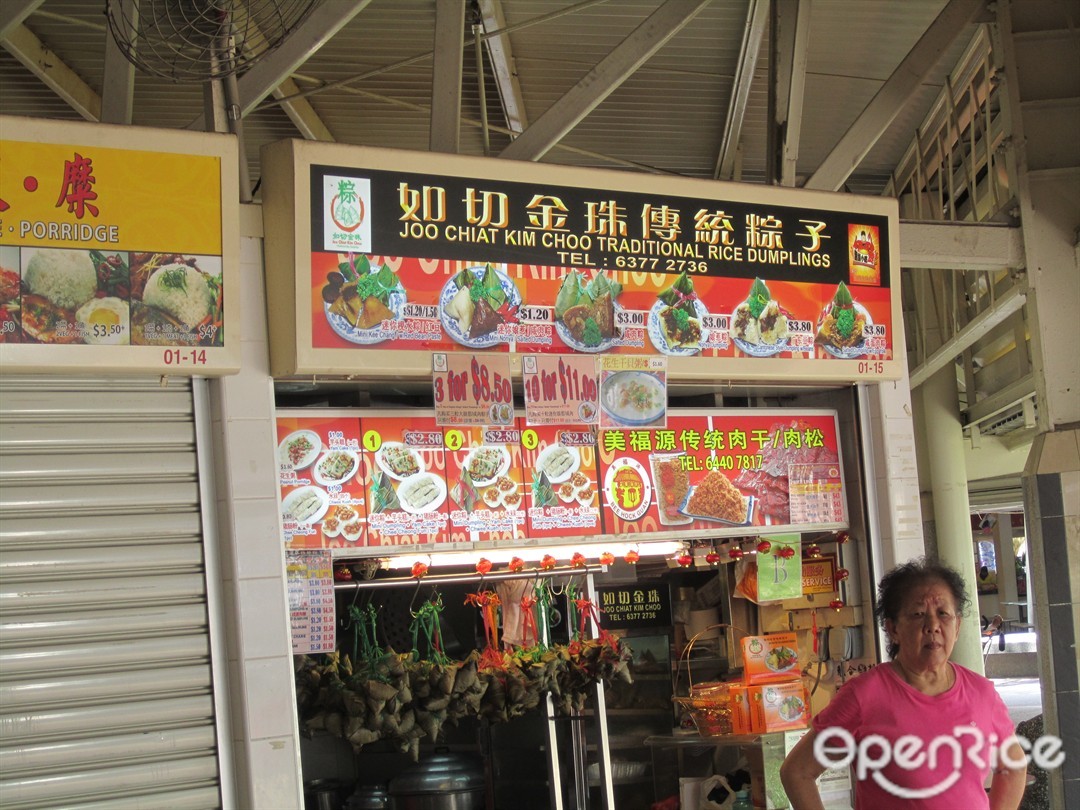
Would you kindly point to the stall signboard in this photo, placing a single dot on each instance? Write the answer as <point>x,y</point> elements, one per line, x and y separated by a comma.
<point>472,389</point>
<point>560,390</point>
<point>321,478</point>
<point>559,465</point>
<point>484,474</point>
<point>115,256</point>
<point>632,606</point>
<point>406,482</point>
<point>719,474</point>
<point>310,578</point>
<point>390,250</point>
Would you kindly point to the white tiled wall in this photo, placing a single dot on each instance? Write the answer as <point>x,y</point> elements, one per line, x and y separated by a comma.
<point>265,747</point>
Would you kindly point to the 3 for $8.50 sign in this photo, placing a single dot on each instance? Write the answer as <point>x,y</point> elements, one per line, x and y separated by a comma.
<point>472,389</point>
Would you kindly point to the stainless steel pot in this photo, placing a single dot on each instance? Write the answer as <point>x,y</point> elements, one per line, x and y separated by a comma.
<point>442,781</point>
<point>368,797</point>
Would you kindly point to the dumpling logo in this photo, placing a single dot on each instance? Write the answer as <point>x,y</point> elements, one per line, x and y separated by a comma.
<point>346,220</point>
<point>754,646</point>
<point>346,208</point>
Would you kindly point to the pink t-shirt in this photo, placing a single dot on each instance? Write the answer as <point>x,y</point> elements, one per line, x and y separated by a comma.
<point>880,702</point>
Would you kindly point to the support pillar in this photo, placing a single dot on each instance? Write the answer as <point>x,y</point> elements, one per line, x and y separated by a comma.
<point>948,485</point>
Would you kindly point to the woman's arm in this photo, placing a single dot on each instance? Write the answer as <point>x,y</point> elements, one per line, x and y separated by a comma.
<point>799,774</point>
<point>1007,787</point>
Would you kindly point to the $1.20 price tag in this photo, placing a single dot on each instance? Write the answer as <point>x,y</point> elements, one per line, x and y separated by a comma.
<point>472,389</point>
<point>560,390</point>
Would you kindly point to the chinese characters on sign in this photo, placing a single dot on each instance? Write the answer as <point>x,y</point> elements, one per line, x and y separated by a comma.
<point>560,390</point>
<point>639,605</point>
<point>310,577</point>
<point>472,389</point>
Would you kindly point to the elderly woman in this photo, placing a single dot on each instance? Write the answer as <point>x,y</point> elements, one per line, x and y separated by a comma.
<point>919,731</point>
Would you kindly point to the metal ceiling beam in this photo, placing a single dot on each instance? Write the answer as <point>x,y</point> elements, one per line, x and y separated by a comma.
<point>446,71</point>
<point>757,18</point>
<point>325,20</point>
<point>792,31</point>
<point>890,99</point>
<point>603,79</point>
<point>976,329</point>
<point>503,66</point>
<point>50,68</point>
<point>118,84</point>
<point>961,246</point>
<point>13,13</point>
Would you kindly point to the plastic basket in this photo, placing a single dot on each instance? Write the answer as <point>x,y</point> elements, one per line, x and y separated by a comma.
<point>707,703</point>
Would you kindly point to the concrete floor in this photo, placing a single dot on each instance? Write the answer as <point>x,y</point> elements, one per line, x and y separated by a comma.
<point>1022,696</point>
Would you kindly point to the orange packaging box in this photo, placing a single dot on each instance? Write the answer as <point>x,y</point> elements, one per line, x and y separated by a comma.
<point>739,701</point>
<point>770,658</point>
<point>779,707</point>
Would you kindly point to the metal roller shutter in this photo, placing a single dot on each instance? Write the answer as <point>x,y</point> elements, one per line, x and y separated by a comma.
<point>106,692</point>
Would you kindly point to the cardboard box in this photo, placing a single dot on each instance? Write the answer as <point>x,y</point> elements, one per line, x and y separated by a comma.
<point>770,658</point>
<point>779,707</point>
<point>739,700</point>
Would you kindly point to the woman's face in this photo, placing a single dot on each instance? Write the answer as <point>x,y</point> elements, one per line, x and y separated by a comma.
<point>926,627</point>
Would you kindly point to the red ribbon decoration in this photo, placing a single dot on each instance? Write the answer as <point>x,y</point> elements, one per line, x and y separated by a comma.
<point>528,621</point>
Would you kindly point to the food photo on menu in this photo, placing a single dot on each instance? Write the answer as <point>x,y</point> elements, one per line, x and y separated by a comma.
<point>759,325</point>
<point>675,323</point>
<point>407,486</point>
<point>61,296</point>
<point>478,305</point>
<point>176,300</point>
<point>321,479</point>
<point>363,301</point>
<point>585,311</point>
<point>560,466</point>
<point>486,499</point>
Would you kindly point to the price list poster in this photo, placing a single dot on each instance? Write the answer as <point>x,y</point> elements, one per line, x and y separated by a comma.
<point>563,490</point>
<point>402,251</point>
<point>310,578</point>
<point>487,498</point>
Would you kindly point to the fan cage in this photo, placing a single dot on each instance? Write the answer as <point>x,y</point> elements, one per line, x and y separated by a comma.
<point>193,41</point>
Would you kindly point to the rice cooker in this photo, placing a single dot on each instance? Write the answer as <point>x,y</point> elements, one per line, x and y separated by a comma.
<point>442,781</point>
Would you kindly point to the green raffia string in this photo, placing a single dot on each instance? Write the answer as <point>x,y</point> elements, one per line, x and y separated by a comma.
<point>426,623</point>
<point>365,646</point>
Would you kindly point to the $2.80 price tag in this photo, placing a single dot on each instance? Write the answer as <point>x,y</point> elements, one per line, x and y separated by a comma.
<point>472,389</point>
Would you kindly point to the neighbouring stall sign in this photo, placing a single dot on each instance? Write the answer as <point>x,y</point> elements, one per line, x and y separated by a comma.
<point>636,605</point>
<point>718,474</point>
<point>113,256</point>
<point>472,389</point>
<point>560,390</point>
<point>310,581</point>
<point>818,574</point>
<point>409,252</point>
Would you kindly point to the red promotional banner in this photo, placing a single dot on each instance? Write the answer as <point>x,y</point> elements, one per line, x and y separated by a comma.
<point>321,476</point>
<point>727,473</point>
<point>560,390</point>
<point>560,470</point>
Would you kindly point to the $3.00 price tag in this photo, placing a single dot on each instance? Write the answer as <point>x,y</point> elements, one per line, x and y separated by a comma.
<point>472,389</point>
<point>560,390</point>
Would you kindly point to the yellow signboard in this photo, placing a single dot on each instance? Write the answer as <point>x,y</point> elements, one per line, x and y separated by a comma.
<point>114,257</point>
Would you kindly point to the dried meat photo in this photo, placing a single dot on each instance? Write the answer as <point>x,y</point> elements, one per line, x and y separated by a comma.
<point>842,325</point>
<point>176,300</point>
<point>671,483</point>
<point>475,303</point>
<point>716,498</point>
<point>759,325</point>
<point>675,320</point>
<point>585,311</point>
<point>360,300</point>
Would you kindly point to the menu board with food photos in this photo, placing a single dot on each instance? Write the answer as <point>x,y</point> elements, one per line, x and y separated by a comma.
<point>321,478</point>
<point>407,486</point>
<point>396,479</point>
<point>727,473</point>
<point>559,465</point>
<point>486,499</point>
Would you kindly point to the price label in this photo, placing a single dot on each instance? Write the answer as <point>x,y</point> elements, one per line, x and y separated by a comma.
<point>560,390</point>
<point>473,389</point>
<point>628,317</point>
<point>427,312</point>
<point>536,314</point>
<point>719,322</point>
